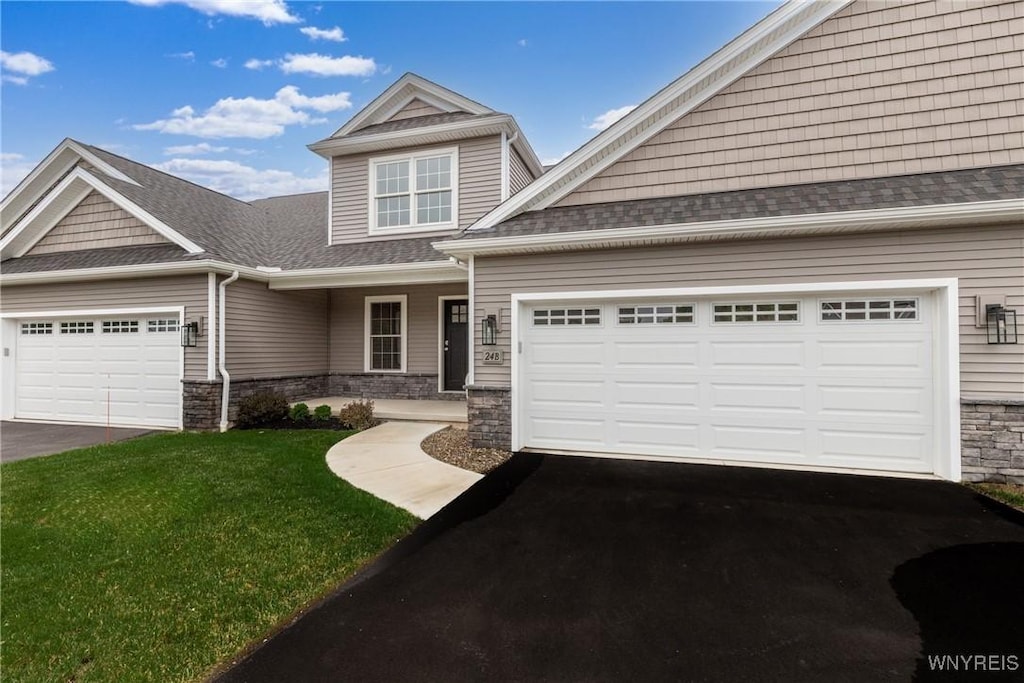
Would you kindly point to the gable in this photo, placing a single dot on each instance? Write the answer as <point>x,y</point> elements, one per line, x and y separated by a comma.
<point>878,89</point>
<point>96,223</point>
<point>416,107</point>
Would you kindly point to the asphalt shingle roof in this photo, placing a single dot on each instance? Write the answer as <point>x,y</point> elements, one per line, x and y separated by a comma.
<point>99,258</point>
<point>949,187</point>
<point>416,122</point>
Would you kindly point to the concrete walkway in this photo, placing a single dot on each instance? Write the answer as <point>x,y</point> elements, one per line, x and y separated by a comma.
<point>388,462</point>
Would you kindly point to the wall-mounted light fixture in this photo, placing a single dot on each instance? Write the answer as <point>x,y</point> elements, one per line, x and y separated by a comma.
<point>190,334</point>
<point>489,330</point>
<point>1002,324</point>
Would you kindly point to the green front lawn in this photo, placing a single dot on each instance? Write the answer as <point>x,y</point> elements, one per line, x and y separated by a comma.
<point>157,558</point>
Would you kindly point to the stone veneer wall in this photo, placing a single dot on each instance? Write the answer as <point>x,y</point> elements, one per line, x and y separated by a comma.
<point>408,385</point>
<point>490,416</point>
<point>202,398</point>
<point>992,440</point>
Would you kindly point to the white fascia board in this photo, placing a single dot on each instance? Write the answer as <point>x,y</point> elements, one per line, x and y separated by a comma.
<point>381,107</point>
<point>522,145</point>
<point>1009,210</point>
<point>361,276</point>
<point>414,136</point>
<point>130,271</point>
<point>753,47</point>
<point>34,226</point>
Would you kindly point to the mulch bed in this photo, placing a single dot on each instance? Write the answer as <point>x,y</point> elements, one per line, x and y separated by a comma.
<point>309,423</point>
<point>452,446</point>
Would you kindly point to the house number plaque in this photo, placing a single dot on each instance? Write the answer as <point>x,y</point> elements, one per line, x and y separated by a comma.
<point>494,357</point>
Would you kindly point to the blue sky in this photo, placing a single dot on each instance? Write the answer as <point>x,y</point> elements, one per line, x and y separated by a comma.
<point>228,93</point>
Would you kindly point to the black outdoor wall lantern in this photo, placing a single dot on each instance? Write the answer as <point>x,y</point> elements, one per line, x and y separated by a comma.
<point>489,330</point>
<point>189,334</point>
<point>1002,324</point>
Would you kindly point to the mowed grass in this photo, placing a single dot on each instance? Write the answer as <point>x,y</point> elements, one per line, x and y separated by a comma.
<point>157,558</point>
<point>1011,494</point>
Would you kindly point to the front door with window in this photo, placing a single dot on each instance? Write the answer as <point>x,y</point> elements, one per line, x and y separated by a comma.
<point>455,343</point>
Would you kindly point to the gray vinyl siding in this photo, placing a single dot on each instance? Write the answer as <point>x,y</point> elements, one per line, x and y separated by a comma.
<point>519,174</point>
<point>479,188</point>
<point>348,334</point>
<point>274,333</point>
<point>416,107</point>
<point>986,260</point>
<point>879,89</point>
<point>96,223</point>
<point>189,291</point>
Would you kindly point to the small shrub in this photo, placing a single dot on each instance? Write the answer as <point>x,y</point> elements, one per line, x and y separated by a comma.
<point>299,412</point>
<point>357,415</point>
<point>322,413</point>
<point>261,408</point>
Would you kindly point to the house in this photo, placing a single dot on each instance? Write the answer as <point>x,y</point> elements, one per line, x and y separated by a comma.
<point>795,255</point>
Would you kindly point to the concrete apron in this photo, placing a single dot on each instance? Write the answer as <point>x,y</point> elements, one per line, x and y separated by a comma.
<point>388,462</point>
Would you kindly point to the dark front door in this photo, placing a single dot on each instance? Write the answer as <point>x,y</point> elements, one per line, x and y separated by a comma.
<point>456,343</point>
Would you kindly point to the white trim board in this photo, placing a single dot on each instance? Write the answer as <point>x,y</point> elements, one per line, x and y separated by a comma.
<point>946,351</point>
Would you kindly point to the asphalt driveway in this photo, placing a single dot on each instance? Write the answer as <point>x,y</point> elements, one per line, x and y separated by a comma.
<point>21,440</point>
<point>576,569</point>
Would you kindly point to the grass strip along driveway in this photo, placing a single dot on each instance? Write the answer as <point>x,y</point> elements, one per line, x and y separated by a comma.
<point>156,558</point>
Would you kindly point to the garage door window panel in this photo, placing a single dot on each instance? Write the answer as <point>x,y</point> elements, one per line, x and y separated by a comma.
<point>550,317</point>
<point>756,312</point>
<point>162,325</point>
<point>120,326</point>
<point>37,328</point>
<point>77,327</point>
<point>869,310</point>
<point>656,314</point>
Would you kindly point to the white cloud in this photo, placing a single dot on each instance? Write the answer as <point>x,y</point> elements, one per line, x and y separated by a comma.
<point>24,65</point>
<point>257,64</point>
<point>220,63</point>
<point>249,117</point>
<point>241,181</point>
<point>609,117</point>
<point>521,42</point>
<point>335,35</point>
<point>325,65</point>
<point>267,11</point>
<point>551,161</point>
<point>13,167</point>
<point>189,56</point>
<point>201,148</point>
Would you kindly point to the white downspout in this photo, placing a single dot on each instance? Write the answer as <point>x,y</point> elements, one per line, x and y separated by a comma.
<point>222,328</point>
<point>506,160</point>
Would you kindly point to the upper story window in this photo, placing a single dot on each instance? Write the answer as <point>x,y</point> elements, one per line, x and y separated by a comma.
<point>414,192</point>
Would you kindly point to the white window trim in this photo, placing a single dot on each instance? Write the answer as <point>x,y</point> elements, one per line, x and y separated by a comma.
<point>453,152</point>
<point>368,347</point>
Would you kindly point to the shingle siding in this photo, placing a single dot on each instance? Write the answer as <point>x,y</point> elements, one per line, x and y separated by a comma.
<point>94,224</point>
<point>880,89</point>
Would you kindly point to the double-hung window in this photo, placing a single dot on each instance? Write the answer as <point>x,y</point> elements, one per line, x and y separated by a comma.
<point>386,333</point>
<point>414,192</point>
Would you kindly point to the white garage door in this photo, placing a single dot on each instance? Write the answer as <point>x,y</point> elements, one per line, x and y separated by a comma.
<point>78,369</point>
<point>806,381</point>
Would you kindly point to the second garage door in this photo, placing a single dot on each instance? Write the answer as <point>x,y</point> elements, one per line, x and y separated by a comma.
<point>125,369</point>
<point>814,381</point>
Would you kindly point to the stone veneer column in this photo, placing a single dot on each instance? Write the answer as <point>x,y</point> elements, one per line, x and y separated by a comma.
<point>992,440</point>
<point>490,416</point>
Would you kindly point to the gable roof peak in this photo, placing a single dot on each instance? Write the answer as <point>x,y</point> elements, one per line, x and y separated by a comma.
<point>408,87</point>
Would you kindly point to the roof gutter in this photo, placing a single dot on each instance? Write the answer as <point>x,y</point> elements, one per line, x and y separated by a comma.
<point>142,269</point>
<point>941,215</point>
<point>362,276</point>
